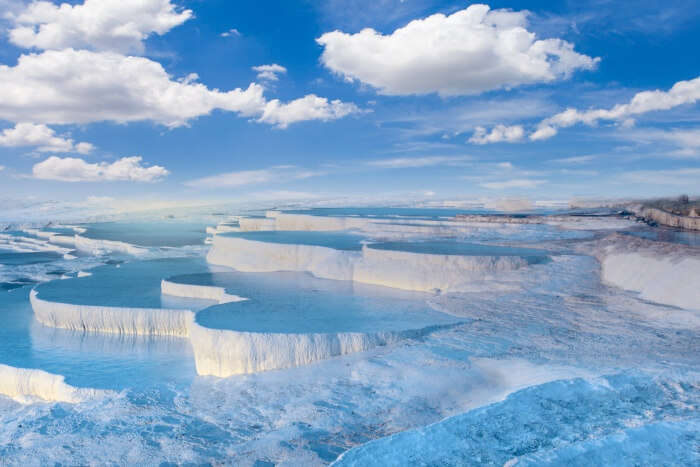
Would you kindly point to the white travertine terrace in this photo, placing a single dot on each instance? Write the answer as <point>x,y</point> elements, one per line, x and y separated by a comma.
<point>398,269</point>
<point>201,292</point>
<point>662,273</point>
<point>115,320</point>
<point>427,272</point>
<point>253,256</point>
<point>217,352</point>
<point>225,353</point>
<point>25,385</point>
<point>276,220</point>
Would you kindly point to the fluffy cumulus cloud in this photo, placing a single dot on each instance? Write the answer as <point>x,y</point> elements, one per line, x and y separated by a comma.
<point>70,169</point>
<point>469,52</point>
<point>115,25</point>
<point>498,134</point>
<point>269,72</point>
<point>309,107</point>
<point>277,174</point>
<point>683,92</point>
<point>231,32</point>
<point>81,86</point>
<point>41,137</point>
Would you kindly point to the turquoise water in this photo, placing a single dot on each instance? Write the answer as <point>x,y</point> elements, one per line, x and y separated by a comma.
<point>447,247</point>
<point>388,213</point>
<point>13,258</point>
<point>353,242</point>
<point>535,366</point>
<point>335,240</point>
<point>417,213</point>
<point>132,284</point>
<point>289,302</point>
<point>151,234</point>
<point>89,360</point>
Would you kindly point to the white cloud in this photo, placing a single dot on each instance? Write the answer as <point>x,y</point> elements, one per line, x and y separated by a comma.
<point>574,160</point>
<point>309,107</point>
<point>231,32</point>
<point>99,200</point>
<point>687,140</point>
<point>684,177</point>
<point>2,167</point>
<point>70,169</point>
<point>269,72</point>
<point>515,183</point>
<point>284,195</point>
<point>41,136</point>
<point>116,25</point>
<point>469,52</point>
<point>277,174</point>
<point>498,134</point>
<point>413,162</point>
<point>543,132</point>
<point>683,92</point>
<point>80,86</point>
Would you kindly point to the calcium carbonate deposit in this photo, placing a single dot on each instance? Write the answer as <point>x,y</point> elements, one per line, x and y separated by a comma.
<point>353,336</point>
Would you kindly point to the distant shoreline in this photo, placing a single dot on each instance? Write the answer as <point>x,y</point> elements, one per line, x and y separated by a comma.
<point>662,217</point>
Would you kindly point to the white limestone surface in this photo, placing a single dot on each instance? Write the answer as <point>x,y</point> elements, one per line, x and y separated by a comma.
<point>660,272</point>
<point>115,320</point>
<point>398,269</point>
<point>202,292</point>
<point>669,280</point>
<point>27,385</point>
<point>96,247</point>
<point>428,272</point>
<point>253,256</point>
<point>225,353</point>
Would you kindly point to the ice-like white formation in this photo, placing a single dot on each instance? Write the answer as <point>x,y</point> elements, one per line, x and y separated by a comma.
<point>257,223</point>
<point>672,281</point>
<point>26,385</point>
<point>662,273</point>
<point>427,272</point>
<point>217,352</point>
<point>63,244</point>
<point>23,244</point>
<point>66,240</point>
<point>116,320</point>
<point>275,220</point>
<point>253,256</point>
<point>319,223</point>
<point>403,270</point>
<point>590,222</point>
<point>39,233</point>
<point>202,292</point>
<point>97,247</point>
<point>222,228</point>
<point>225,353</point>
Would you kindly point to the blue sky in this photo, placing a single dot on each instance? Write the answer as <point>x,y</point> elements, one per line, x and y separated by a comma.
<point>469,104</point>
